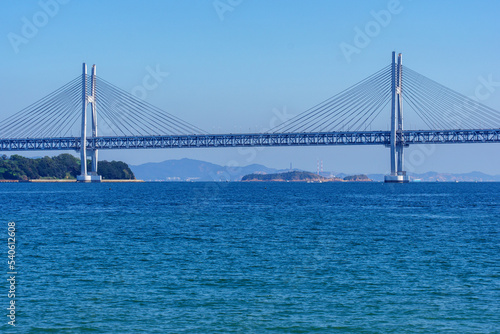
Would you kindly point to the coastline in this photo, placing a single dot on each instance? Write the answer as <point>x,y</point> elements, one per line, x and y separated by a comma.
<point>66,181</point>
<point>305,181</point>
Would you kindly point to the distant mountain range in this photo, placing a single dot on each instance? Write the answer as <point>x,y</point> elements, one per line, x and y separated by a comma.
<point>445,177</point>
<point>196,170</point>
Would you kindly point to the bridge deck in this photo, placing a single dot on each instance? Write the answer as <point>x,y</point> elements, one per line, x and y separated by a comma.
<point>408,137</point>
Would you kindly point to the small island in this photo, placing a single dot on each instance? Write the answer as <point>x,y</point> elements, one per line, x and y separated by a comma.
<point>299,176</point>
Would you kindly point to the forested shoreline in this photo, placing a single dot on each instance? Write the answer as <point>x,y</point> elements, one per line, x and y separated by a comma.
<point>63,166</point>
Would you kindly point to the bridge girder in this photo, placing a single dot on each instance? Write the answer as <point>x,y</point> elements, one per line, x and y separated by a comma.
<point>407,137</point>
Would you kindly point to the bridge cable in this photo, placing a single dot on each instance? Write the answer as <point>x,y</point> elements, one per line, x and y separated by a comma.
<point>337,106</point>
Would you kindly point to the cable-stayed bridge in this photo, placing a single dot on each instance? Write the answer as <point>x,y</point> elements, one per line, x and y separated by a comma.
<point>59,120</point>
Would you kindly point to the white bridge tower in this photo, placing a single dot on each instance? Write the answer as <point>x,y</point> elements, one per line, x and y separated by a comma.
<point>398,175</point>
<point>91,176</point>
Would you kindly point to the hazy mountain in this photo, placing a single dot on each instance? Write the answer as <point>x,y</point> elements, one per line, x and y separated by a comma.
<point>194,170</point>
<point>445,177</point>
<point>376,177</point>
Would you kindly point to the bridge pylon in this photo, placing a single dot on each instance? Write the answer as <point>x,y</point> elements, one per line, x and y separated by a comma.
<point>398,175</point>
<point>91,176</point>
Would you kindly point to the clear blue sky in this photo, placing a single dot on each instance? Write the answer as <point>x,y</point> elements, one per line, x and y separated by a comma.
<point>229,67</point>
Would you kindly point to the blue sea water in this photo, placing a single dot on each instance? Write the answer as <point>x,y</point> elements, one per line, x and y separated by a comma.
<point>254,257</point>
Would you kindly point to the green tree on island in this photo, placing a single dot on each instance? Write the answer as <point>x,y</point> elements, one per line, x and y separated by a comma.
<point>63,166</point>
